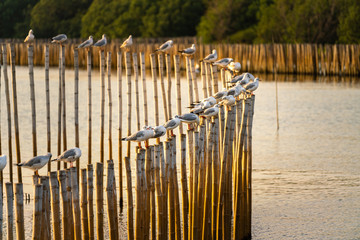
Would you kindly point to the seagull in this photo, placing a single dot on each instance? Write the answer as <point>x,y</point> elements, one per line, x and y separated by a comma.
<point>2,162</point>
<point>59,38</point>
<point>36,163</point>
<point>127,43</point>
<point>243,79</point>
<point>172,124</point>
<point>165,46</point>
<point>30,37</point>
<point>213,111</point>
<point>251,87</point>
<point>190,118</point>
<point>234,67</point>
<point>227,101</point>
<point>140,136</point>
<point>69,156</point>
<point>211,57</point>
<point>221,94</point>
<point>102,42</point>
<point>223,62</point>
<point>159,131</point>
<point>87,43</point>
<point>188,51</point>
<point>235,91</point>
<point>204,104</point>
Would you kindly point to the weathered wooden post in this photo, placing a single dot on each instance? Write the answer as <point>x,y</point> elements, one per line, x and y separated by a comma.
<point>75,203</point>
<point>111,200</point>
<point>102,103</point>
<point>47,93</point>
<point>89,98</point>
<point>90,194</point>
<point>76,108</point>
<point>38,193</point>
<point>119,80</point>
<point>19,209</point>
<point>55,205</point>
<point>84,204</point>
<point>99,171</point>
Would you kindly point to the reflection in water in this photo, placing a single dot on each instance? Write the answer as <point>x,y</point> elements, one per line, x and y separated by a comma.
<point>306,182</point>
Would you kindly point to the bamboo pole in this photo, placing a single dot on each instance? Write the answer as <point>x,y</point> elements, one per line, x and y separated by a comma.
<point>156,98</point>
<point>90,194</point>
<point>128,78</point>
<point>65,202</point>
<point>130,214</point>
<point>158,192</point>
<point>163,183</point>
<point>84,204</point>
<point>1,173</point>
<point>171,190</point>
<point>196,226</point>
<point>99,201</point>
<point>15,109</point>
<point>55,205</point>
<point>59,109</point>
<point>32,96</point>
<point>45,222</point>
<point>110,190</point>
<point>202,170</point>
<point>102,103</point>
<point>7,94</point>
<point>194,80</point>
<point>184,187</point>
<point>152,193</point>
<point>215,182</point>
<point>75,203</point>
<point>178,88</point>
<point>147,193</point>
<point>76,108</point>
<point>1,210</point>
<point>89,99</point>
<point>10,209</point>
<point>63,97</point>
<point>110,105</point>
<point>47,93</point>
<point>214,76</point>
<point>38,193</point>
<point>70,219</point>
<point>143,77</point>
<point>203,79</point>
<point>168,76</point>
<point>162,84</point>
<point>19,209</point>
<point>119,80</point>
<point>189,79</point>
<point>138,198</point>
<point>176,191</point>
<point>208,77</point>
<point>136,80</point>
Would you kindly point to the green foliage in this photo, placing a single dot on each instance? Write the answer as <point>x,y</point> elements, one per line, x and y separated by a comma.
<point>349,24</point>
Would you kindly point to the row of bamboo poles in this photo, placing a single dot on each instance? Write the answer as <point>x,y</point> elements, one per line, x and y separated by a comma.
<point>312,59</point>
<point>215,181</point>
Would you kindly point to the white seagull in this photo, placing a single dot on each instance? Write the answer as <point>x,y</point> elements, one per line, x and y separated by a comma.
<point>165,46</point>
<point>190,118</point>
<point>102,42</point>
<point>2,162</point>
<point>69,156</point>
<point>251,87</point>
<point>140,136</point>
<point>30,37</point>
<point>227,101</point>
<point>223,62</point>
<point>172,124</point>
<point>59,38</point>
<point>36,163</point>
<point>236,91</point>
<point>221,94</point>
<point>188,51</point>
<point>210,112</point>
<point>87,43</point>
<point>234,67</point>
<point>212,57</point>
<point>127,43</point>
<point>159,131</point>
<point>243,79</point>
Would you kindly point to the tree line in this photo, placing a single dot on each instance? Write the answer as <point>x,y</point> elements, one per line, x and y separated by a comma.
<point>233,21</point>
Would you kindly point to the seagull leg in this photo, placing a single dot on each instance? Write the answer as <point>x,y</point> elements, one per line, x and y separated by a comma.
<point>71,164</point>
<point>37,173</point>
<point>139,144</point>
<point>146,144</point>
<point>172,133</point>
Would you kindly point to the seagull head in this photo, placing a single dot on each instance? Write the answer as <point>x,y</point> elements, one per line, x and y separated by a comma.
<point>90,37</point>
<point>171,42</point>
<point>257,79</point>
<point>193,46</point>
<point>104,35</point>
<point>214,51</point>
<point>31,31</point>
<point>49,155</point>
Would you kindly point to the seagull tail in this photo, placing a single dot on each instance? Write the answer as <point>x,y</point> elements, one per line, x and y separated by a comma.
<point>124,139</point>
<point>53,160</point>
<point>18,164</point>
<point>181,51</point>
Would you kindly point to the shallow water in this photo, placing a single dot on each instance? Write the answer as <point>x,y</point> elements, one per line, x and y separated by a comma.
<point>306,182</point>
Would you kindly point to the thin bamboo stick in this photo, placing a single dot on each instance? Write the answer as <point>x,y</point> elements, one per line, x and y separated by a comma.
<point>178,88</point>
<point>89,100</point>
<point>194,80</point>
<point>152,193</point>
<point>45,222</point>
<point>59,109</point>
<point>38,193</point>
<point>32,96</point>
<point>147,193</point>
<point>10,210</point>
<point>1,210</point>
<point>176,191</point>
<point>136,80</point>
<point>203,79</point>
<point>164,182</point>
<point>190,147</point>
<point>189,79</point>
<point>138,198</point>
<point>202,172</point>
<point>90,194</point>
<point>65,202</point>
<point>162,84</point>
<point>63,97</point>
<point>214,76</point>
<point>76,108</point>
<point>109,105</point>
<point>102,103</point>
<point>196,226</point>
<point>215,182</point>
<point>170,189</point>
<point>130,214</point>
<point>168,76</point>
<point>55,205</point>
<point>99,201</point>
<point>70,218</point>
<point>158,192</point>
<point>184,187</point>
<point>47,93</point>
<point>119,80</point>
<point>110,189</point>
<point>75,203</point>
<point>128,77</point>
<point>208,77</point>
<point>19,209</point>
<point>84,204</point>
<point>15,109</point>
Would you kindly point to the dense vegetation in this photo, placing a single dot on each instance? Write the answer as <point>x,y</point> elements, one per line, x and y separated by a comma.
<point>246,21</point>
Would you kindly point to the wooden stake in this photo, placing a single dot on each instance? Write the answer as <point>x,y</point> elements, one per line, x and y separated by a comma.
<point>137,100</point>
<point>110,190</point>
<point>110,105</point>
<point>214,77</point>
<point>128,77</point>
<point>75,203</point>
<point>168,76</point>
<point>38,193</point>
<point>178,88</point>
<point>76,108</point>
<point>84,204</point>
<point>55,205</point>
<point>158,193</point>
<point>162,84</point>
<point>32,96</point>
<point>102,103</point>
<point>65,203</point>
<point>130,214</point>
<point>15,109</point>
<point>208,77</point>
<point>89,106</point>
<point>45,222</point>
<point>90,194</point>
<point>99,201</point>
<point>47,93</point>
<point>203,79</point>
<point>19,209</point>
<point>63,97</point>
<point>119,80</point>
<point>156,98</point>
<point>184,187</point>
<point>194,80</point>
<point>70,218</point>
<point>189,79</point>
<point>1,210</point>
<point>59,109</point>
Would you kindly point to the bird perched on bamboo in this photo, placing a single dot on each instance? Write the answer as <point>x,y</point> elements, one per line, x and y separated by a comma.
<point>212,57</point>
<point>243,79</point>
<point>252,86</point>
<point>159,131</point>
<point>221,94</point>
<point>227,101</point>
<point>87,43</point>
<point>165,46</point>
<point>188,51</point>
<point>223,62</point>
<point>36,163</point>
<point>236,91</point>
<point>233,67</point>
<point>101,42</point>
<point>30,37</point>
<point>59,39</point>
<point>3,162</point>
<point>190,118</point>
<point>172,124</point>
<point>210,112</point>
<point>127,43</point>
<point>140,136</point>
<point>69,156</point>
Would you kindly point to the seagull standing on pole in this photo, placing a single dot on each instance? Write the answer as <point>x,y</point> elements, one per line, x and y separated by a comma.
<point>59,39</point>
<point>127,43</point>
<point>102,42</point>
<point>165,46</point>
<point>2,162</point>
<point>87,43</point>
<point>188,51</point>
<point>30,37</point>
<point>212,57</point>
<point>36,163</point>
<point>223,62</point>
<point>140,136</point>
<point>69,156</point>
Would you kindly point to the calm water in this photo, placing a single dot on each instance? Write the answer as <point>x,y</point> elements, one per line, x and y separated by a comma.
<point>306,181</point>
